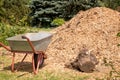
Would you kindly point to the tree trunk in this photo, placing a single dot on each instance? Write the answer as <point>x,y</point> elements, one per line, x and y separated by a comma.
<point>85,61</point>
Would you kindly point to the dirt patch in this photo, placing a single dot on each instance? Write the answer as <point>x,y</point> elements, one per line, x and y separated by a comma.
<point>94,29</point>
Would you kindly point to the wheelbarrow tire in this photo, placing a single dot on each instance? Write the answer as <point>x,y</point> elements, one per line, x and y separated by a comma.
<point>36,56</point>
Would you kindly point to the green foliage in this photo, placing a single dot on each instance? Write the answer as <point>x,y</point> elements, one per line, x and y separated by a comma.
<point>118,34</point>
<point>74,6</point>
<point>8,31</point>
<point>2,10</point>
<point>44,11</point>
<point>113,74</point>
<point>111,3</point>
<point>57,22</point>
<point>12,11</point>
<point>118,44</point>
<point>24,21</point>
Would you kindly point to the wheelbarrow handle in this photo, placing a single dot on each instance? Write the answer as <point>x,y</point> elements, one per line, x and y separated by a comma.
<point>30,43</point>
<point>24,37</point>
<point>2,45</point>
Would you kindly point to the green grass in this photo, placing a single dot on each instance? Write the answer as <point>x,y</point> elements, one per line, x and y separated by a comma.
<point>6,74</point>
<point>25,73</point>
<point>44,75</point>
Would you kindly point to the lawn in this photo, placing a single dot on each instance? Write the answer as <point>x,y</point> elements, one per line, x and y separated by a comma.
<point>25,72</point>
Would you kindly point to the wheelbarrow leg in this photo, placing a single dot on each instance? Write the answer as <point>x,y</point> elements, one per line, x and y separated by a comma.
<point>37,61</point>
<point>21,61</point>
<point>12,65</point>
<point>33,64</point>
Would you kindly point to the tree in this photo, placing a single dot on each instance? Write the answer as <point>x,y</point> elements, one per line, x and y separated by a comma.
<point>44,11</point>
<point>111,3</point>
<point>74,6</point>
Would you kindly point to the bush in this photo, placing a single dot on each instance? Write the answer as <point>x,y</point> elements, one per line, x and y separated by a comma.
<point>57,22</point>
<point>118,34</point>
<point>13,11</point>
<point>8,31</point>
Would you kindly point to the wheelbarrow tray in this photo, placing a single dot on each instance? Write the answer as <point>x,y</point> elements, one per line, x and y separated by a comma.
<point>39,40</point>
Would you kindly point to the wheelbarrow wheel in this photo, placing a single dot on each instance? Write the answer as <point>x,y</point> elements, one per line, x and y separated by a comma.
<point>36,56</point>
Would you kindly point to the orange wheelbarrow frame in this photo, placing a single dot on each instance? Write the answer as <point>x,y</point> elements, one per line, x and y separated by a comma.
<point>36,63</point>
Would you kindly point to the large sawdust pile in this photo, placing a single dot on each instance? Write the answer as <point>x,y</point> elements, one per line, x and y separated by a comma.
<point>94,29</point>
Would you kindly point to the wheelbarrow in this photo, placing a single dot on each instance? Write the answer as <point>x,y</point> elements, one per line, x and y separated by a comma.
<point>29,43</point>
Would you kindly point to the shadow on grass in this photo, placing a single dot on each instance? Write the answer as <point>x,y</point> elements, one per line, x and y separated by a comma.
<point>24,67</point>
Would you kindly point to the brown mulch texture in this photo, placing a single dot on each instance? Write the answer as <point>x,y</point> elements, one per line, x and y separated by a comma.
<point>95,29</point>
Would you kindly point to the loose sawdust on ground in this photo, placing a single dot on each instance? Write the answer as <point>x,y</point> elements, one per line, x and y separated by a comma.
<point>94,29</point>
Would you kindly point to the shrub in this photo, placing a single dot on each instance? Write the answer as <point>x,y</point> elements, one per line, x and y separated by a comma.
<point>12,11</point>
<point>57,22</point>
<point>8,31</point>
